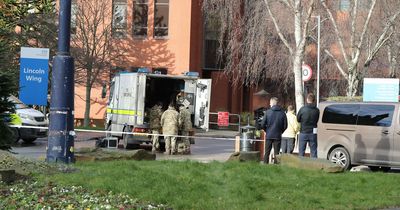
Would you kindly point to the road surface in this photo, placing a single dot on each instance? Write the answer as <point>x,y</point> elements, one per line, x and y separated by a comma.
<point>204,149</point>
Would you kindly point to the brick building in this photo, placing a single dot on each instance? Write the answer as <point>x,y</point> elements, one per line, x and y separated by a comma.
<point>168,36</point>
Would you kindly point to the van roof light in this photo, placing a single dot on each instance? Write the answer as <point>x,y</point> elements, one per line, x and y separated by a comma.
<point>192,74</point>
<point>143,70</point>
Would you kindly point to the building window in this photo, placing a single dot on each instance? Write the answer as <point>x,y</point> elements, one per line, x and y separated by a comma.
<point>160,70</point>
<point>140,15</point>
<point>213,59</point>
<point>364,4</point>
<point>119,18</point>
<point>344,5</point>
<point>161,16</point>
<point>133,69</point>
<point>74,10</point>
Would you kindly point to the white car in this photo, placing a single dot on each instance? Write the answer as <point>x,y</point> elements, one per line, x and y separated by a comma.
<point>29,117</point>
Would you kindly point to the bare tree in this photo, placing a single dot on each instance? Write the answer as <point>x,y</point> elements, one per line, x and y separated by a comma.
<point>302,15</point>
<point>91,44</point>
<point>252,52</point>
<point>393,53</point>
<point>358,43</point>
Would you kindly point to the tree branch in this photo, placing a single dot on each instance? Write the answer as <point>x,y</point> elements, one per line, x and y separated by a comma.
<point>337,33</point>
<point>337,63</point>
<point>305,27</point>
<point>365,27</point>
<point>353,26</point>
<point>288,5</point>
<point>278,30</point>
<point>383,38</point>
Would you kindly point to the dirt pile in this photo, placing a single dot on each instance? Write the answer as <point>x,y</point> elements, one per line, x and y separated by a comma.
<point>99,154</point>
<point>23,166</point>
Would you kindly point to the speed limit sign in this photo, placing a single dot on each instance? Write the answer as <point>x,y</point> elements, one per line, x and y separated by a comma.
<point>306,72</point>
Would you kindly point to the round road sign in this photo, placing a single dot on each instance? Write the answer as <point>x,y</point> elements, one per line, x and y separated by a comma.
<point>306,72</point>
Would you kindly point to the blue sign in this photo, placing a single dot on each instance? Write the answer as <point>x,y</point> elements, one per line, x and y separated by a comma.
<point>381,90</point>
<point>34,74</point>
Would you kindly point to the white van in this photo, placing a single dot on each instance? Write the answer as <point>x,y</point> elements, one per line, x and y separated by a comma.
<point>133,94</point>
<point>29,117</point>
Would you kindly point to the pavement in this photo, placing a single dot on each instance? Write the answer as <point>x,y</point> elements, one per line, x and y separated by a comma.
<point>216,133</point>
<point>82,139</point>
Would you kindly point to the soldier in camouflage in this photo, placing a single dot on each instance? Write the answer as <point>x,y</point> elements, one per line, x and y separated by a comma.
<point>155,125</point>
<point>169,123</point>
<point>185,125</point>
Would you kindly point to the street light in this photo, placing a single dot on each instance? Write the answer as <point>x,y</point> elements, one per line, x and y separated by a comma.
<point>60,145</point>
<point>318,53</point>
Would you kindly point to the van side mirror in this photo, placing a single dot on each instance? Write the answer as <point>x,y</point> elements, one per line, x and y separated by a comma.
<point>104,91</point>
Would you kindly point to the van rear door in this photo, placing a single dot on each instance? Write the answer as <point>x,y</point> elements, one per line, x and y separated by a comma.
<point>141,96</point>
<point>202,105</point>
<point>396,137</point>
<point>190,92</point>
<point>127,99</point>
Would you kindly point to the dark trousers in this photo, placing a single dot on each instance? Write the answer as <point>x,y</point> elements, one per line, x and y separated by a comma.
<point>268,147</point>
<point>312,142</point>
<point>287,145</point>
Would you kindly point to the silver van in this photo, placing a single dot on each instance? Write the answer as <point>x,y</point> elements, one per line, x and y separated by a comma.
<point>360,133</point>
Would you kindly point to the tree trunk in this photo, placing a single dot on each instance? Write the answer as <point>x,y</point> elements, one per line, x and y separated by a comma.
<point>298,81</point>
<point>392,62</point>
<point>353,80</point>
<point>87,104</point>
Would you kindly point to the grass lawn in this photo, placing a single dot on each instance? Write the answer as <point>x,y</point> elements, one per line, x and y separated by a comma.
<point>193,185</point>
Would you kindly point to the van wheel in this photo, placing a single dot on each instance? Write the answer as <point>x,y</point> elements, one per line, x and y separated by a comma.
<point>162,146</point>
<point>125,140</point>
<point>16,136</point>
<point>29,140</point>
<point>341,157</point>
<point>379,168</point>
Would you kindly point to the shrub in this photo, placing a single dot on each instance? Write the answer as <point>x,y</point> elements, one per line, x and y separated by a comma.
<point>243,118</point>
<point>7,87</point>
<point>344,98</point>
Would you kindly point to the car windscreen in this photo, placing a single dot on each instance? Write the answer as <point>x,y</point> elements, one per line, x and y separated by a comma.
<point>17,103</point>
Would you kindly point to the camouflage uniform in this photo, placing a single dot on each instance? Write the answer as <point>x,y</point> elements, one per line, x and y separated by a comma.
<point>155,125</point>
<point>185,125</point>
<point>169,123</point>
<point>179,98</point>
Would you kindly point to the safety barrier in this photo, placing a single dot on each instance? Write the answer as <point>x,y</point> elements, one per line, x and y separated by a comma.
<point>141,134</point>
<point>86,138</point>
<point>230,124</point>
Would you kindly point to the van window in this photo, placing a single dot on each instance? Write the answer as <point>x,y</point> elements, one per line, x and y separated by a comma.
<point>376,115</point>
<point>341,114</point>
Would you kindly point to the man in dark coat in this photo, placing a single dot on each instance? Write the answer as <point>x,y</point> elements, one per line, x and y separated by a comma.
<point>274,123</point>
<point>308,117</point>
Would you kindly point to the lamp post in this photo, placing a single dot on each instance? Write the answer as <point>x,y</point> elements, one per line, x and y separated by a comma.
<point>60,146</point>
<point>318,53</point>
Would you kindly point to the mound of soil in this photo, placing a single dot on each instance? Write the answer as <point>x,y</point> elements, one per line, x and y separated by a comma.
<point>100,154</point>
